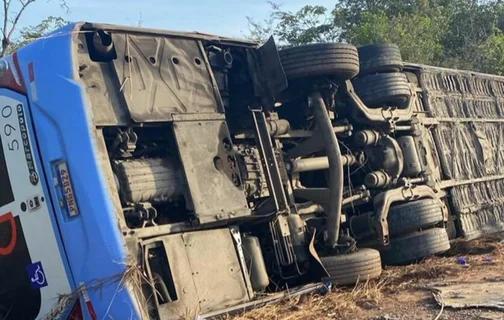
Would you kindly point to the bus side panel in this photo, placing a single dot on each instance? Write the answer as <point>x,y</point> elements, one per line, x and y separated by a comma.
<point>65,132</point>
<point>469,109</point>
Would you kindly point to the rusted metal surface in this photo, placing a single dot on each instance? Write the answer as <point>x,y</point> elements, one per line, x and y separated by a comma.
<point>200,285</point>
<point>486,294</point>
<point>163,76</point>
<point>214,185</point>
<point>466,112</point>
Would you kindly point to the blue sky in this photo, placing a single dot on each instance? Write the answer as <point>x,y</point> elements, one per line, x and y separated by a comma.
<point>223,17</point>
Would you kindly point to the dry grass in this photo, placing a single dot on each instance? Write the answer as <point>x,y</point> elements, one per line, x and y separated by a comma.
<point>339,302</point>
<point>396,285</point>
<point>131,278</point>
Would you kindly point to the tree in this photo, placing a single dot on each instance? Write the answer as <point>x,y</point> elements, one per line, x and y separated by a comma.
<point>30,33</point>
<point>309,24</point>
<point>12,13</point>
<point>415,28</point>
<point>493,54</point>
<point>464,34</point>
<point>260,31</point>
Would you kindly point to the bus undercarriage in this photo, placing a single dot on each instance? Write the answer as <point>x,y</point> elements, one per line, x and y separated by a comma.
<point>242,171</point>
<point>238,172</point>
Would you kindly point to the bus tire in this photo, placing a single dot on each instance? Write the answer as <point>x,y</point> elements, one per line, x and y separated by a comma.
<point>411,216</point>
<point>335,60</point>
<point>416,246</point>
<point>377,58</point>
<point>383,89</point>
<point>348,269</point>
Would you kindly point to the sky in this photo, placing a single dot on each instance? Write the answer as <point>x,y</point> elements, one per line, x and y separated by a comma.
<point>221,17</point>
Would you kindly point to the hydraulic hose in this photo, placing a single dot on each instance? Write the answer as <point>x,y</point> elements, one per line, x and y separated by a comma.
<point>332,148</point>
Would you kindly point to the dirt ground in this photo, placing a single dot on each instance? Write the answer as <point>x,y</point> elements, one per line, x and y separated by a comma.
<point>401,292</point>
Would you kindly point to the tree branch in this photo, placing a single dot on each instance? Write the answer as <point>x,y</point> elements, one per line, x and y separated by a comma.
<point>18,15</point>
<point>6,17</point>
<point>7,34</point>
<point>5,41</point>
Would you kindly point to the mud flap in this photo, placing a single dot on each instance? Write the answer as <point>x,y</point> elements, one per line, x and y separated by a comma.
<point>267,72</point>
<point>318,268</point>
<point>273,74</point>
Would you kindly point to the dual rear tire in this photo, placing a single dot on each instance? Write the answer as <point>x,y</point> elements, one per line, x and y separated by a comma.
<point>411,242</point>
<point>379,80</point>
<point>415,232</point>
<point>416,246</point>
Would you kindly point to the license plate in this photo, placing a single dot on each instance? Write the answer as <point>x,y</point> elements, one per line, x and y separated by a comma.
<point>66,185</point>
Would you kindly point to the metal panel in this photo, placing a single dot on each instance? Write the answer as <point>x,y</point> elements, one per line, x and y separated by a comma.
<point>220,283</point>
<point>163,76</point>
<point>183,279</point>
<point>202,286</point>
<point>266,72</point>
<point>271,68</point>
<point>467,109</point>
<point>213,193</point>
<point>480,207</point>
<point>102,88</point>
<point>173,33</point>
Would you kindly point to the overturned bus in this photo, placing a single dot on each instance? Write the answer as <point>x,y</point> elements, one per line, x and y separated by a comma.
<point>147,174</point>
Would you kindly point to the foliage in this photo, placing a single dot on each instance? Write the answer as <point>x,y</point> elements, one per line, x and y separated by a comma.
<point>309,24</point>
<point>30,33</point>
<point>13,11</point>
<point>493,54</point>
<point>465,34</point>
